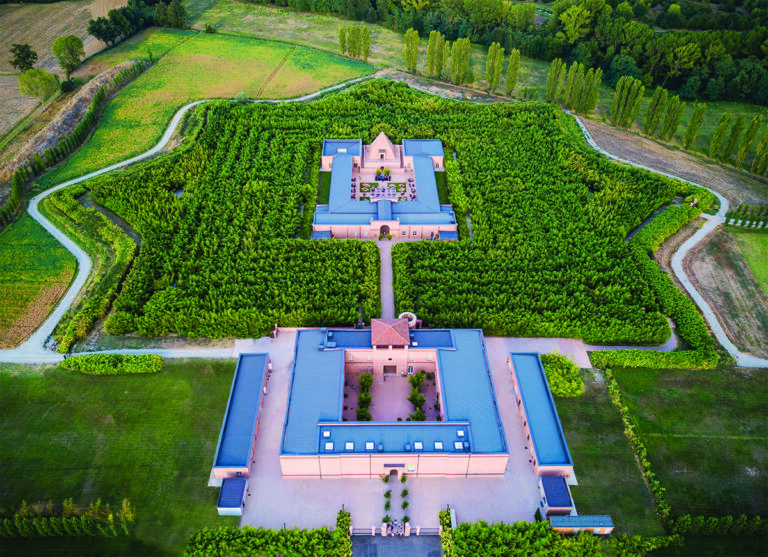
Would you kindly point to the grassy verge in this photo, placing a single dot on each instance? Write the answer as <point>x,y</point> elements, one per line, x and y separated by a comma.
<point>149,438</point>
<point>754,247</point>
<point>201,66</point>
<point>705,435</point>
<point>442,187</point>
<point>35,271</point>
<point>608,475</point>
<point>323,188</point>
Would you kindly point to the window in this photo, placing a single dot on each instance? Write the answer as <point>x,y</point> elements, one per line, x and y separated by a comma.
<point>429,357</point>
<point>460,433</point>
<point>351,357</point>
<point>369,445</point>
<point>458,446</point>
<point>354,233</point>
<point>329,446</point>
<point>414,233</point>
<point>365,233</point>
<point>349,445</point>
<point>411,357</point>
<point>405,233</point>
<point>369,358</point>
<point>326,433</point>
<point>418,446</point>
<point>438,445</point>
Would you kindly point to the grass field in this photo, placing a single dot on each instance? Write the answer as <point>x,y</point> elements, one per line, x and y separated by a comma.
<point>148,438</point>
<point>35,271</point>
<point>706,438</point>
<point>608,475</point>
<point>197,66</point>
<point>754,247</point>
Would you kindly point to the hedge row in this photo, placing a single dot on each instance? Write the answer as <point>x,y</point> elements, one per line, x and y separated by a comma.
<point>691,328</point>
<point>562,376</point>
<point>114,364</point>
<point>720,525</point>
<point>38,164</point>
<point>34,521</point>
<point>111,249</point>
<point>290,542</point>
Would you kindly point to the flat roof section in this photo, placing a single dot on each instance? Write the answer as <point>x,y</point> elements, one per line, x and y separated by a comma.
<point>581,521</point>
<point>352,147</point>
<point>394,437</point>
<point>468,392</point>
<point>543,421</point>
<point>316,392</point>
<point>556,491</point>
<point>242,414</point>
<point>427,147</point>
<point>231,494</point>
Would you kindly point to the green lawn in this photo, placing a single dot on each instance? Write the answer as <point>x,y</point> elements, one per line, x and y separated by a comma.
<point>323,188</point>
<point>608,475</point>
<point>148,438</point>
<point>754,247</point>
<point>706,438</point>
<point>442,187</point>
<point>35,271</point>
<point>199,66</point>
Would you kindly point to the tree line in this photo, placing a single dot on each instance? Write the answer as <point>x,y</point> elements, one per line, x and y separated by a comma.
<point>355,41</point>
<point>69,519</point>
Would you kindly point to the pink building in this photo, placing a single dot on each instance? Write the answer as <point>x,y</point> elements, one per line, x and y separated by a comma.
<point>384,188</point>
<point>467,441</point>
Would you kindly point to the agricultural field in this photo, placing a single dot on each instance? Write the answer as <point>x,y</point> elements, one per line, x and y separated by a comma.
<point>192,69</point>
<point>705,435</point>
<point>725,277</point>
<point>753,246</point>
<point>148,438</point>
<point>35,271</point>
<point>608,475</point>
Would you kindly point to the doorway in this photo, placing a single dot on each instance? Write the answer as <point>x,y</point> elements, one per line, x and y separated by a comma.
<point>384,229</point>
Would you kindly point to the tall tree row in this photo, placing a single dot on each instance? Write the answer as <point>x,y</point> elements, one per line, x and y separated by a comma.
<point>493,67</point>
<point>460,58</point>
<point>672,118</point>
<point>749,139</point>
<point>655,110</point>
<point>355,41</point>
<point>692,130</point>
<point>716,143</point>
<point>436,54</point>
<point>627,100</point>
<point>555,80</point>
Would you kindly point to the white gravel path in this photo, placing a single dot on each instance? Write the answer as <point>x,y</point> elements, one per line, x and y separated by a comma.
<point>31,351</point>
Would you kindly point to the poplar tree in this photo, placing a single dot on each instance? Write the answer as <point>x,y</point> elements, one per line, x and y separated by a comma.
<point>692,130</point>
<point>343,40</point>
<point>460,60</point>
<point>365,42</point>
<point>411,49</point>
<point>591,91</point>
<point>513,69</point>
<point>445,72</point>
<point>672,117</point>
<point>493,65</point>
<point>716,143</point>
<point>761,153</point>
<point>570,77</point>
<point>655,108</point>
<point>749,139</point>
<point>555,80</point>
<point>627,100</point>
<point>733,137</point>
<point>435,53</point>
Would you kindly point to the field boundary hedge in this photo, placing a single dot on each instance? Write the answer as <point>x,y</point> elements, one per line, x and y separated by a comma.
<point>114,364</point>
<point>36,521</point>
<point>562,376</point>
<point>37,165</point>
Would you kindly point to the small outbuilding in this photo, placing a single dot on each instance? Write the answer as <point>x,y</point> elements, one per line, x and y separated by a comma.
<point>555,495</point>
<point>600,525</point>
<point>232,497</point>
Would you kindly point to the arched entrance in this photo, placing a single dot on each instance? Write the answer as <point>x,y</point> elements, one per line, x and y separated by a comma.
<point>393,473</point>
<point>384,229</point>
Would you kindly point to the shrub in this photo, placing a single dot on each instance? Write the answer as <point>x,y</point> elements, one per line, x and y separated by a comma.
<point>241,98</point>
<point>364,399</point>
<point>114,364</point>
<point>403,479</point>
<point>363,415</point>
<point>366,381</point>
<point>404,505</point>
<point>406,518</point>
<point>209,28</point>
<point>385,478</point>
<point>386,518</point>
<point>388,493</point>
<point>387,505</point>
<point>562,376</point>
<point>67,86</point>
<point>404,493</point>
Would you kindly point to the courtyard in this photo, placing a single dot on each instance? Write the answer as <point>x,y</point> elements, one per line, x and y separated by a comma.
<point>390,398</point>
<point>273,501</point>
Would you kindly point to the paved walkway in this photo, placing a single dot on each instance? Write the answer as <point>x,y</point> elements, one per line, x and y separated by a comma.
<point>412,546</point>
<point>387,295</point>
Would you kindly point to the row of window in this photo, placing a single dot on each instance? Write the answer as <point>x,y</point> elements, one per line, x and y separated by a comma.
<point>368,358</point>
<point>365,233</point>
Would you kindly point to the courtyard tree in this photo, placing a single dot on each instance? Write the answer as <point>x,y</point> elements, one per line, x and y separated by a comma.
<point>513,69</point>
<point>493,67</point>
<point>411,49</point>
<point>24,57</point>
<point>693,127</point>
<point>38,83</point>
<point>69,52</point>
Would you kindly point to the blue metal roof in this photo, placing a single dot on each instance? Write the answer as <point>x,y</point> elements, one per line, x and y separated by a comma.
<point>239,425</point>
<point>449,235</point>
<point>428,147</point>
<point>581,521</point>
<point>543,421</point>
<point>556,491</point>
<point>384,209</point>
<point>353,147</point>
<point>316,393</point>
<point>321,235</point>
<point>394,437</point>
<point>317,388</point>
<point>468,391</point>
<point>231,494</point>
<point>426,187</point>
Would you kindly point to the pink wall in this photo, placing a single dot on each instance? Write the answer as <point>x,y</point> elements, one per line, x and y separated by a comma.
<point>604,531</point>
<point>398,231</point>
